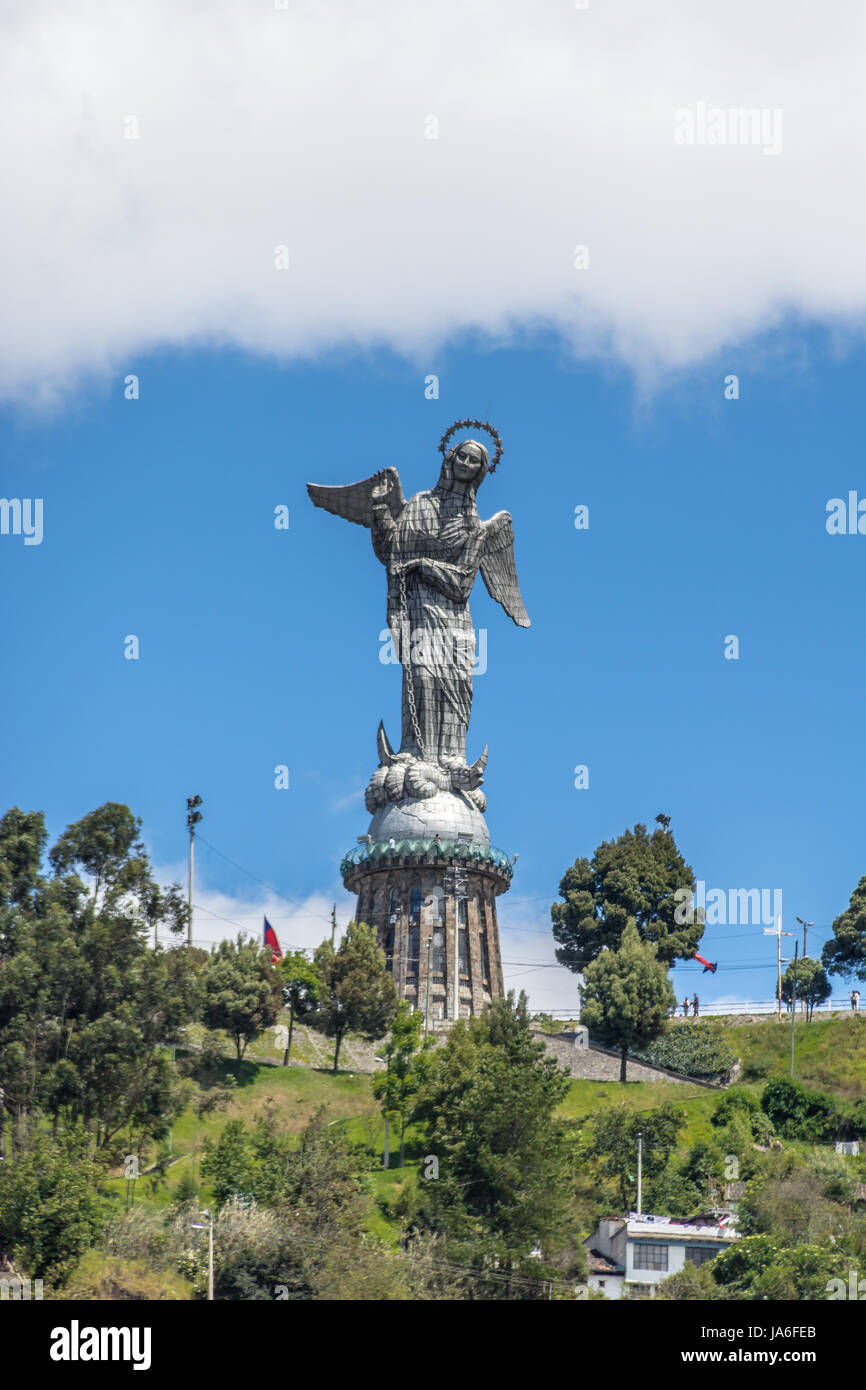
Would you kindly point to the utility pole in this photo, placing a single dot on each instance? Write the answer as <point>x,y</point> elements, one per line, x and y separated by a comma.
<point>639,1172</point>
<point>805,926</point>
<point>192,818</point>
<point>794,1006</point>
<point>333,922</point>
<point>778,933</point>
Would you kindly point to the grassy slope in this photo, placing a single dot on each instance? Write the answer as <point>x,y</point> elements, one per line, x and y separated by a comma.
<point>830,1054</point>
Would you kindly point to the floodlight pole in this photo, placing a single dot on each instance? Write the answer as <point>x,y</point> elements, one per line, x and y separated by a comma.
<point>193,816</point>
<point>793,1006</point>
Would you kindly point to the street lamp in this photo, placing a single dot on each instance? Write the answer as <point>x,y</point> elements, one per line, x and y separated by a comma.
<point>197,1226</point>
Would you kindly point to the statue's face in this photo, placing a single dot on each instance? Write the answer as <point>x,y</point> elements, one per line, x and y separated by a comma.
<point>467,461</point>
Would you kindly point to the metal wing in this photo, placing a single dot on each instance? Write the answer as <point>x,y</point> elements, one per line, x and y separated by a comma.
<point>355,501</point>
<point>498,569</point>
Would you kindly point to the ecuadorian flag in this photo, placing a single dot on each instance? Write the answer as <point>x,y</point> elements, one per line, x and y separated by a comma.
<point>271,940</point>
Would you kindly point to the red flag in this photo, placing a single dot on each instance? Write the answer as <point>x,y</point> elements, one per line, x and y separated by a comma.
<point>271,940</point>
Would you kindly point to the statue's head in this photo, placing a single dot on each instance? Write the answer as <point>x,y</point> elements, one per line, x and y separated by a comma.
<point>467,463</point>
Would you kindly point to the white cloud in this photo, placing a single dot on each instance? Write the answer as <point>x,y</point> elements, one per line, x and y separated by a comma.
<point>305,127</point>
<point>529,957</point>
<point>525,936</point>
<point>220,916</point>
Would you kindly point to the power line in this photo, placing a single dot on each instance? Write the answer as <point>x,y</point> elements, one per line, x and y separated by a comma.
<point>290,946</point>
<point>261,881</point>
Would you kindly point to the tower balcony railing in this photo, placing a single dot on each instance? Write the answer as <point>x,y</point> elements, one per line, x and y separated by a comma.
<point>435,850</point>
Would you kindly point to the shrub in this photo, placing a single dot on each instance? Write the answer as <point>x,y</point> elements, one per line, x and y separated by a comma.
<point>691,1284</point>
<point>105,1278</point>
<point>697,1050</point>
<point>763,1129</point>
<point>854,1121</point>
<point>732,1102</point>
<point>761,1266</point>
<point>799,1113</point>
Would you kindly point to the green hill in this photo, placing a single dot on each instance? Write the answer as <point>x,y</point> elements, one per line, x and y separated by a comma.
<point>830,1054</point>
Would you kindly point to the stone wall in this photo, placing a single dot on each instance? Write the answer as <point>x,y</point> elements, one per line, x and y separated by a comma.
<point>587,1064</point>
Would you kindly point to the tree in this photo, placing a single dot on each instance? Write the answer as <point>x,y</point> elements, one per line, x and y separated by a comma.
<point>286,1204</point>
<point>845,953</point>
<point>301,988</point>
<point>490,1109</point>
<point>638,878</point>
<point>85,1006</point>
<point>627,996</point>
<point>358,993</point>
<point>407,1066</point>
<point>23,838</point>
<point>613,1142</point>
<point>228,1163</point>
<point>49,1209</point>
<point>106,845</point>
<point>806,980</point>
<point>731,1102</point>
<point>242,991</point>
<point>799,1197</point>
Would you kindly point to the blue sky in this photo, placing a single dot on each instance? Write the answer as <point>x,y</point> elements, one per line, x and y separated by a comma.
<point>261,647</point>
<point>282,219</point>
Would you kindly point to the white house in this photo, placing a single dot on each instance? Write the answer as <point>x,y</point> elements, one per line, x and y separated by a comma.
<point>632,1254</point>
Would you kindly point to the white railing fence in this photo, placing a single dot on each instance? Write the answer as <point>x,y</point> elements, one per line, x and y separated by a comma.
<point>744,1007</point>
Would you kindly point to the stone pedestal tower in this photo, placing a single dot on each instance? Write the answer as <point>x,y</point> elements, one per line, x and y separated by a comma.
<point>426,875</point>
<point>427,879</point>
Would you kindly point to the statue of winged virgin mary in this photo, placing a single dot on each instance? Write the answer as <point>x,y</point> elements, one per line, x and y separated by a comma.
<point>432,548</point>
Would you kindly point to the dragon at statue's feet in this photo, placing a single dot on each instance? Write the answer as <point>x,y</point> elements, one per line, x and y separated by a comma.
<point>401,775</point>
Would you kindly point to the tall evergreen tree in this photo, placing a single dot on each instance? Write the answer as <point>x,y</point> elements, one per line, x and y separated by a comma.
<point>845,952</point>
<point>358,993</point>
<point>242,991</point>
<point>627,996</point>
<point>638,877</point>
<point>85,1005</point>
<point>301,988</point>
<point>502,1190</point>
<point>407,1063</point>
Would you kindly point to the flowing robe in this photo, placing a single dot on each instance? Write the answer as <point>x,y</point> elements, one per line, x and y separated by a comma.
<point>439,536</point>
